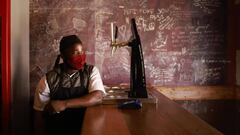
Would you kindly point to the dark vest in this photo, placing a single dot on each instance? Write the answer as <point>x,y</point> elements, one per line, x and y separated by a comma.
<point>63,87</point>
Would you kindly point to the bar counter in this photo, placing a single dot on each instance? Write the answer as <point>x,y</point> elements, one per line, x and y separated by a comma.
<point>164,118</point>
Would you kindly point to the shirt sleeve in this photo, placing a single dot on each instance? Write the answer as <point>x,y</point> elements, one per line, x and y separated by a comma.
<point>95,82</point>
<point>42,95</point>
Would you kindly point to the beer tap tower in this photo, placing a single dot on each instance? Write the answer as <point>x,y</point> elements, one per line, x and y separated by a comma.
<point>137,75</point>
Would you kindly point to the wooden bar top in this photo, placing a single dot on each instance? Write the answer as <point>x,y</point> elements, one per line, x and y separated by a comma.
<point>164,118</point>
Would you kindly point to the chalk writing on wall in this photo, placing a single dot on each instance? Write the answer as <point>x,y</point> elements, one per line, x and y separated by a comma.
<point>183,41</point>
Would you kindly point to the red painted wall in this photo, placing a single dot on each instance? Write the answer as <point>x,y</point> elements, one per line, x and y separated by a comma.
<point>5,58</point>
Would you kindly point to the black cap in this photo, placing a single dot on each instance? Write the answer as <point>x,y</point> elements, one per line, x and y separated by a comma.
<point>68,41</point>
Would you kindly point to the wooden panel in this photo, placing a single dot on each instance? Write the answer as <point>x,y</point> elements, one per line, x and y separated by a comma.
<point>191,92</point>
<point>238,66</point>
<point>200,92</point>
<point>165,118</point>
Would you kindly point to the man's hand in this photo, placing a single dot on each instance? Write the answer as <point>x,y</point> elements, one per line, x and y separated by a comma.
<point>58,105</point>
<point>55,106</point>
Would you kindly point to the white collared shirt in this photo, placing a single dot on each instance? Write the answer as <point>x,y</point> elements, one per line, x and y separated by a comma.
<point>42,92</point>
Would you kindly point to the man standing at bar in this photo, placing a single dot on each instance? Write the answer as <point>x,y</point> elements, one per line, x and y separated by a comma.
<point>64,92</point>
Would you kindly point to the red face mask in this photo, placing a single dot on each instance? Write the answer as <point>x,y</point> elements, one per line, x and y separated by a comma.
<point>77,62</point>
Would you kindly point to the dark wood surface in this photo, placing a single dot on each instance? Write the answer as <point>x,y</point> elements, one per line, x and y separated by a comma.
<point>164,118</point>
